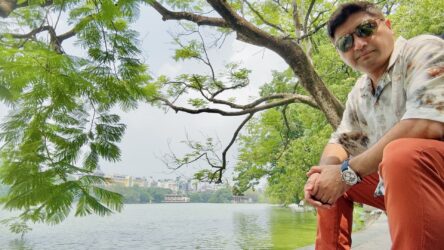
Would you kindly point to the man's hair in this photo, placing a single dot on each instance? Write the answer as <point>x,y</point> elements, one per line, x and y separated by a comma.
<point>342,13</point>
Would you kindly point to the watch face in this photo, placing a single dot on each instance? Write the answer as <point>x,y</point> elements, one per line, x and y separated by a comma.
<point>349,177</point>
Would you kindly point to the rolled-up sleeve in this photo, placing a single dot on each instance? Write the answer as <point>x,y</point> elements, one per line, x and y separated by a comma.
<point>349,134</point>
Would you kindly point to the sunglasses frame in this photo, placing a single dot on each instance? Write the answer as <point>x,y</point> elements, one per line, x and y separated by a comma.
<point>359,32</point>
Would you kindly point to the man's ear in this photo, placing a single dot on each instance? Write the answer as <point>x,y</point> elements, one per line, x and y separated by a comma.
<point>388,23</point>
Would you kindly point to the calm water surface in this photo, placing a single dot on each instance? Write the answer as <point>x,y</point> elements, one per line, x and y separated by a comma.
<point>173,226</point>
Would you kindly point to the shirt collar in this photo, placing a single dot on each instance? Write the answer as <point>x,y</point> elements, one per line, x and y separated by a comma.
<point>399,46</point>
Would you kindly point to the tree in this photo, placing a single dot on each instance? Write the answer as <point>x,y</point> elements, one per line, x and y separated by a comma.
<point>61,121</point>
<point>223,195</point>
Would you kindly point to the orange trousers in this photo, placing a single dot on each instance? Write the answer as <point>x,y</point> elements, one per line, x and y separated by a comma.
<point>413,174</point>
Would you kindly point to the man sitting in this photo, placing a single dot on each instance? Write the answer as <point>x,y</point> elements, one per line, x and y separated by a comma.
<point>393,124</point>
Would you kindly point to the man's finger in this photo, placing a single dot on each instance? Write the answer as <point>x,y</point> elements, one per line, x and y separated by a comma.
<point>314,203</point>
<point>325,199</point>
<point>311,183</point>
<point>331,201</point>
<point>314,169</point>
<point>325,203</point>
<point>315,189</point>
<point>309,199</point>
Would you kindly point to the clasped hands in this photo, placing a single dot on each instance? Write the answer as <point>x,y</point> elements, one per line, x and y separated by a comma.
<point>324,186</point>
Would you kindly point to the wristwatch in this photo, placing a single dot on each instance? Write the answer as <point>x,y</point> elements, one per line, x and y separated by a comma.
<point>349,176</point>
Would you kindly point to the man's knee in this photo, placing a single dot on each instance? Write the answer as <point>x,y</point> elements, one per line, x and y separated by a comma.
<point>399,156</point>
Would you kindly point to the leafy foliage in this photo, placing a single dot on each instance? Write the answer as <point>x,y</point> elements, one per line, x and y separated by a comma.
<point>16,226</point>
<point>60,123</point>
<point>416,17</point>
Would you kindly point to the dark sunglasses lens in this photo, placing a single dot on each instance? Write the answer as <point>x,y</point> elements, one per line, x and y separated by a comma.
<point>345,43</point>
<point>365,30</point>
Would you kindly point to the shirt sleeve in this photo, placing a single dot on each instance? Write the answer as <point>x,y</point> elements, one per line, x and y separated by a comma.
<point>349,134</point>
<point>424,82</point>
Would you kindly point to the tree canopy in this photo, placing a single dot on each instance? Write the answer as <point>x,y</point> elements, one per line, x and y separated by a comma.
<point>61,121</point>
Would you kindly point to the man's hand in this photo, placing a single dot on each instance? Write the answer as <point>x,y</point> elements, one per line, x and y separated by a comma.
<point>311,188</point>
<point>328,186</point>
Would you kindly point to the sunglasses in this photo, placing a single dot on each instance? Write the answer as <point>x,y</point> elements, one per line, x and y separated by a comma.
<point>365,29</point>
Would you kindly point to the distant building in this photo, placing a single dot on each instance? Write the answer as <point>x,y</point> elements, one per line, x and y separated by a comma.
<point>140,181</point>
<point>176,198</point>
<point>179,185</point>
<point>184,185</point>
<point>151,182</point>
<point>124,180</point>
<point>205,186</point>
<point>241,199</point>
<point>168,184</point>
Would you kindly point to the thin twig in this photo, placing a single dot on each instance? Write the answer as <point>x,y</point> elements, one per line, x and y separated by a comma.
<point>262,18</point>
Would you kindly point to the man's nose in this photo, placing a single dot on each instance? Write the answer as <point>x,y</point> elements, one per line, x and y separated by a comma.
<point>360,42</point>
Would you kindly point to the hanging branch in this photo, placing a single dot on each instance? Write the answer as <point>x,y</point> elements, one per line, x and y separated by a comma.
<point>233,139</point>
<point>285,138</point>
<point>262,18</point>
<point>307,15</point>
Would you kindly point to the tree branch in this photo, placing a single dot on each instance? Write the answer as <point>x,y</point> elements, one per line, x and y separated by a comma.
<point>296,20</point>
<point>233,139</point>
<point>246,31</point>
<point>56,41</point>
<point>8,6</point>
<point>307,15</point>
<point>198,19</point>
<point>30,34</point>
<point>262,18</point>
<point>66,35</point>
<point>249,108</point>
<point>312,32</point>
<point>284,8</point>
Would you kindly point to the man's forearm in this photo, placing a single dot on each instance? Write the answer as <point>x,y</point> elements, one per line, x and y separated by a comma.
<point>333,154</point>
<point>368,162</point>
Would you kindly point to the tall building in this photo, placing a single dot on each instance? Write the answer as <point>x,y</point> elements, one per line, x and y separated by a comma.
<point>140,181</point>
<point>124,180</point>
<point>169,184</point>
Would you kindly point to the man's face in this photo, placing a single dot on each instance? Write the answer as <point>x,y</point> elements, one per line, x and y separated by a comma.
<point>368,54</point>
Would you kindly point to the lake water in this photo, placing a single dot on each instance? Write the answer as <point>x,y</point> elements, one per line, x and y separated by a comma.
<point>173,226</point>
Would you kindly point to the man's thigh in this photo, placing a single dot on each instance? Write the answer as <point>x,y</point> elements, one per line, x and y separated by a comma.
<point>364,192</point>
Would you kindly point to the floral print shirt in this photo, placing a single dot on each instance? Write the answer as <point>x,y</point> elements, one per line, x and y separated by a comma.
<point>412,87</point>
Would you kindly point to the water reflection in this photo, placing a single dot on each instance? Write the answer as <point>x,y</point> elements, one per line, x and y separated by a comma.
<point>281,228</point>
<point>290,230</point>
<point>19,244</point>
<point>173,226</point>
<point>252,231</point>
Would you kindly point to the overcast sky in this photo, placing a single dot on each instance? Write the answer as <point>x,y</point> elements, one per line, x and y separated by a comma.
<point>150,130</point>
